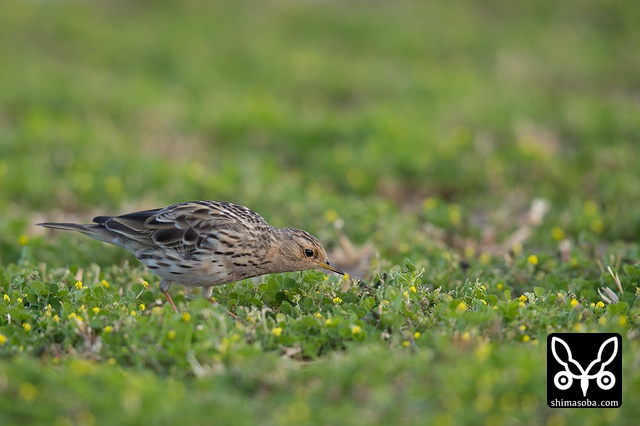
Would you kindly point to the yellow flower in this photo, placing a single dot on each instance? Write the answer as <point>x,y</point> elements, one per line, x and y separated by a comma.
<point>133,313</point>
<point>142,307</point>
<point>406,343</point>
<point>523,327</point>
<point>416,335</point>
<point>345,277</point>
<point>413,289</point>
<point>96,310</point>
<point>318,315</point>
<point>484,258</point>
<point>19,299</point>
<point>23,240</point>
<point>557,233</point>
<point>355,329</point>
<point>622,320</point>
<point>186,317</point>
<point>465,336</point>
<point>484,302</point>
<point>108,329</point>
<point>328,322</point>
<point>521,304</point>
<point>56,318</point>
<point>599,305</point>
<point>526,338</point>
<point>3,339</point>
<point>111,362</point>
<point>405,294</point>
<point>7,298</point>
<point>523,298</point>
<point>105,284</point>
<point>276,331</point>
<point>27,327</point>
<point>171,334</point>
<point>145,285</point>
<point>602,320</point>
<point>78,285</point>
<point>331,215</point>
<point>72,315</point>
<point>533,259</point>
<point>573,303</point>
<point>337,300</point>
<point>499,286</point>
<point>462,307</point>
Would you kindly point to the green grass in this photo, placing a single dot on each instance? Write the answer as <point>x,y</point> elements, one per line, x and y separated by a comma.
<point>480,156</point>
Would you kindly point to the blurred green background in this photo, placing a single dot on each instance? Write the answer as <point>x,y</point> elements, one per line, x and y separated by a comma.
<point>413,129</point>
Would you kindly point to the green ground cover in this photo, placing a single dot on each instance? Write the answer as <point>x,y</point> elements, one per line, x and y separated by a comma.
<point>473,162</point>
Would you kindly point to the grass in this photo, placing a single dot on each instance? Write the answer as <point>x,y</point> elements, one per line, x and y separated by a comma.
<point>473,163</point>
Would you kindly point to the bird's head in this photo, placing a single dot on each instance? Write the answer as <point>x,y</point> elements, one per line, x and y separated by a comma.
<point>299,251</point>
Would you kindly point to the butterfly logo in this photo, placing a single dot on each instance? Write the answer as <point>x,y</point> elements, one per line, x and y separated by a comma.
<point>564,379</point>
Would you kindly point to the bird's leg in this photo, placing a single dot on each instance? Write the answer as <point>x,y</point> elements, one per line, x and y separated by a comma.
<point>164,288</point>
<point>206,293</point>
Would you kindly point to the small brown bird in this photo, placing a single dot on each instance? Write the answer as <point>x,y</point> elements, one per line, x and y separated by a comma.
<point>206,243</point>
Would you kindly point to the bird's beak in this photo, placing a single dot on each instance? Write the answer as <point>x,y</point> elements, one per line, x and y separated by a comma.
<point>329,267</point>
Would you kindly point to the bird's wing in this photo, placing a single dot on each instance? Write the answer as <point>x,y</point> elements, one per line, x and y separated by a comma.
<point>183,227</point>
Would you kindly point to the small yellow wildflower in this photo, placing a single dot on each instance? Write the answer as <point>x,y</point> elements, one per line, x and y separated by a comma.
<point>484,258</point>
<point>276,331</point>
<point>19,299</point>
<point>72,315</point>
<point>318,315</point>
<point>597,226</point>
<point>557,233</point>
<point>78,285</point>
<point>573,303</point>
<point>533,259</point>
<point>405,294</point>
<point>56,318</point>
<point>27,391</point>
<point>523,327</point>
<point>345,277</point>
<point>406,343</point>
<point>27,327</point>
<point>111,362</point>
<point>145,285</point>
<point>416,335</point>
<point>484,302</point>
<point>337,300</point>
<point>413,289</point>
<point>455,216</point>
<point>108,329</point>
<point>600,305</point>
<point>462,307</point>
<point>429,203</point>
<point>96,310</point>
<point>328,322</point>
<point>186,317</point>
<point>156,310</point>
<point>522,304</point>
<point>523,298</point>
<point>133,313</point>
<point>622,320</point>
<point>355,329</point>
<point>23,240</point>
<point>7,298</point>
<point>602,320</point>
<point>171,334</point>
<point>465,336</point>
<point>331,215</point>
<point>3,339</point>
<point>592,305</point>
<point>142,307</point>
<point>526,338</point>
<point>105,284</point>
<point>499,286</point>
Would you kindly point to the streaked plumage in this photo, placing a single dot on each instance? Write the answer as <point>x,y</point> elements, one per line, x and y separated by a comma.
<point>206,243</point>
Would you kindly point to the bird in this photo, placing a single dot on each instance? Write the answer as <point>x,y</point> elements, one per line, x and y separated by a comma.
<point>206,244</point>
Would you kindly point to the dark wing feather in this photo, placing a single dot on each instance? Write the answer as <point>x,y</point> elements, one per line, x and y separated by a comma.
<point>183,227</point>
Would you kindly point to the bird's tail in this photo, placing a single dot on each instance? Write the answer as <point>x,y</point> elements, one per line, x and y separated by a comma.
<point>97,231</point>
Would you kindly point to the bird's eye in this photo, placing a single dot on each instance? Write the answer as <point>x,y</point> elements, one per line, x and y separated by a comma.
<point>309,253</point>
